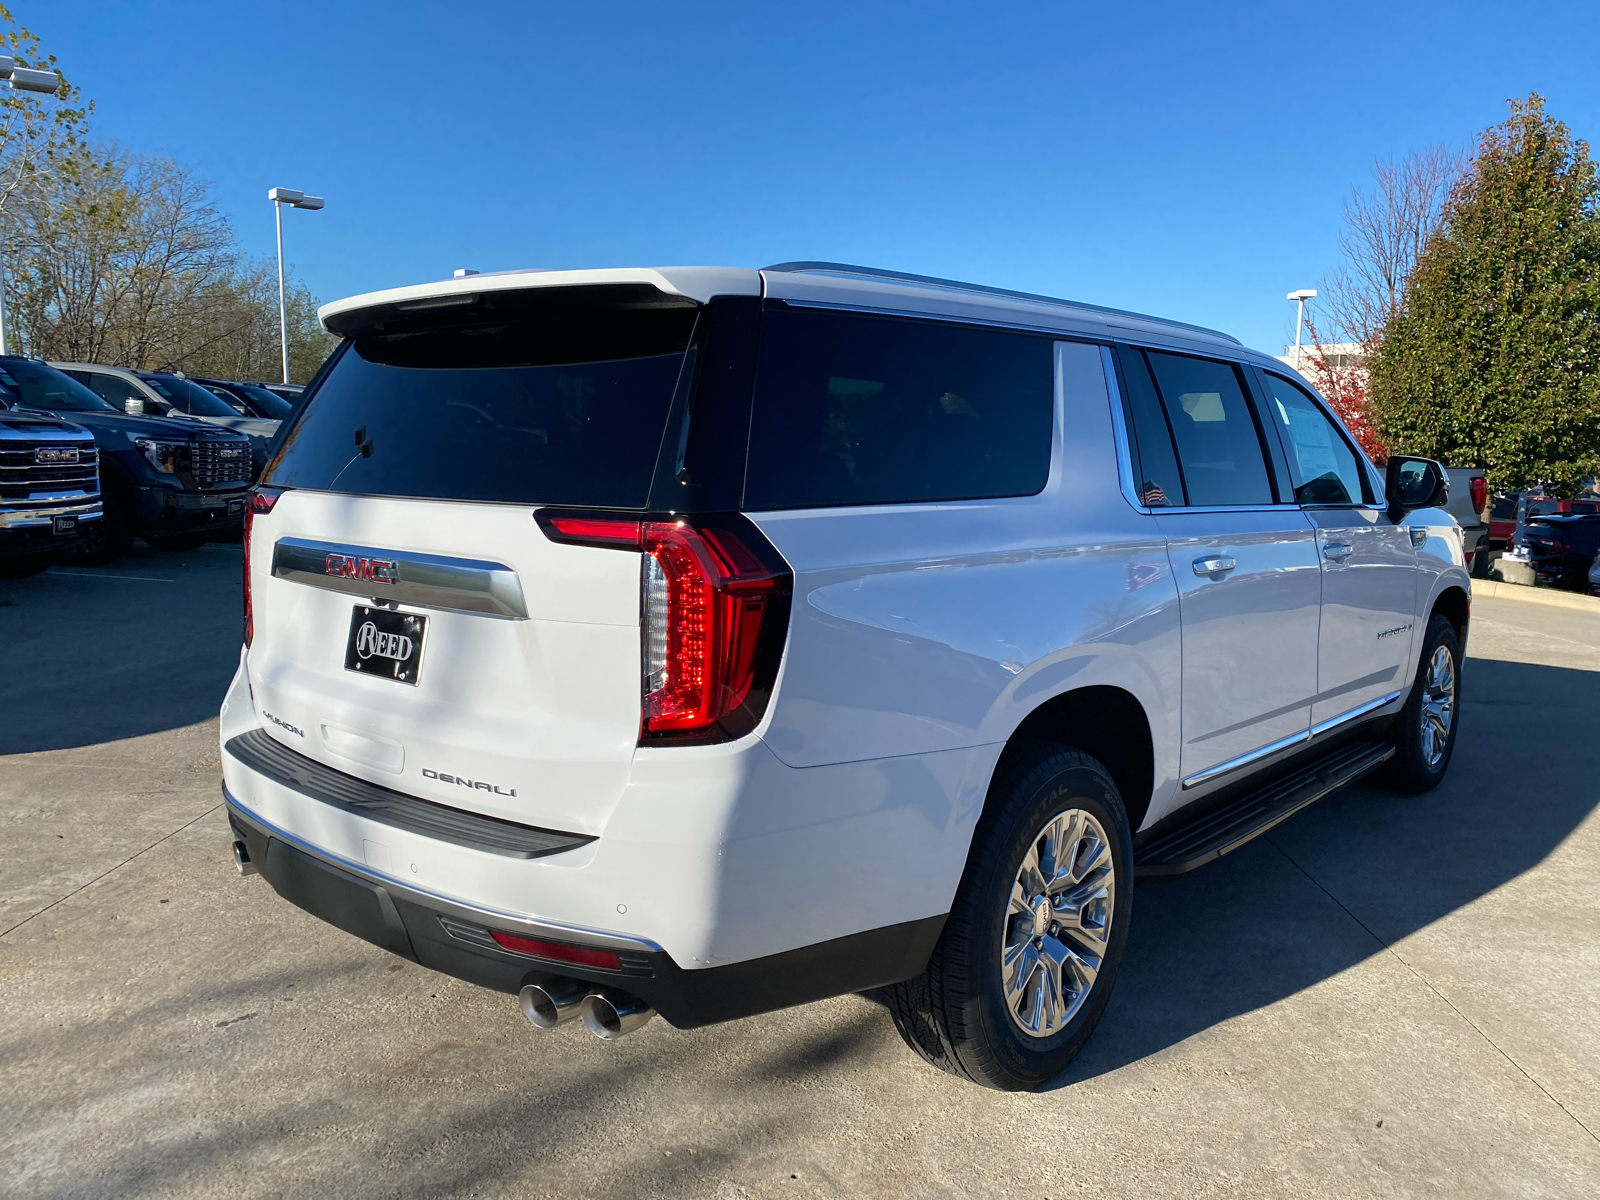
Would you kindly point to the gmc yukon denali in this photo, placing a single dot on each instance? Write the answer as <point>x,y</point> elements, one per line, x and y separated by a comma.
<point>703,641</point>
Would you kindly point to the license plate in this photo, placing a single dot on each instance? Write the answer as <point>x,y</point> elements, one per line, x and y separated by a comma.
<point>65,525</point>
<point>385,643</point>
<point>235,507</point>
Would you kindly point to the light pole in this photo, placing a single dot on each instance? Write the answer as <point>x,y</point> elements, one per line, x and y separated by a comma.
<point>22,79</point>
<point>294,199</point>
<point>1300,298</point>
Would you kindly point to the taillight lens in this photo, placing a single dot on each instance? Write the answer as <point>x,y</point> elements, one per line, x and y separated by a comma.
<point>1480,493</point>
<point>258,500</point>
<point>714,600</point>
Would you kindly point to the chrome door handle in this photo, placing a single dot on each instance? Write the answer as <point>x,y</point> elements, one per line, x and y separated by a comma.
<point>1214,564</point>
<point>1338,551</point>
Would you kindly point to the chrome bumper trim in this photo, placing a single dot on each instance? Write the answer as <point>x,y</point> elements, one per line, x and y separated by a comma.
<point>512,922</point>
<point>30,518</point>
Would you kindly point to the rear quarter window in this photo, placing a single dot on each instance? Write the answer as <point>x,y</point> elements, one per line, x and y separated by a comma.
<point>852,409</point>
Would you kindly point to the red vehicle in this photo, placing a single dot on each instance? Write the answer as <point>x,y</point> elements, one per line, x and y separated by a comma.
<point>1503,517</point>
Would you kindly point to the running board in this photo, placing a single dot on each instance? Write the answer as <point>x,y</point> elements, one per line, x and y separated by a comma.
<point>1225,829</point>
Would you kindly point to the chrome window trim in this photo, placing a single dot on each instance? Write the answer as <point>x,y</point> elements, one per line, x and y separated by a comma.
<point>434,900</point>
<point>1119,434</point>
<point>421,580</point>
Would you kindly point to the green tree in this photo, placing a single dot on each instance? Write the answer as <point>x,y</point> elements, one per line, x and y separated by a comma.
<point>1493,356</point>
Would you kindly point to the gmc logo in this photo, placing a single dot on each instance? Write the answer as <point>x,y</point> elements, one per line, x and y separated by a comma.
<point>55,454</point>
<point>379,570</point>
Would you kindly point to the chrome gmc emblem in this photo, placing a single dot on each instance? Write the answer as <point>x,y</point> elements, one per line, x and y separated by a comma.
<point>56,454</point>
<point>379,570</point>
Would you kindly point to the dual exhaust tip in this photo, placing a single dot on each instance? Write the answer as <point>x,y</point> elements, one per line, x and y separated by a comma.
<point>607,1012</point>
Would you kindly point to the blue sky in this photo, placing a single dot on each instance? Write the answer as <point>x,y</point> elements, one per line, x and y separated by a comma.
<point>1180,159</point>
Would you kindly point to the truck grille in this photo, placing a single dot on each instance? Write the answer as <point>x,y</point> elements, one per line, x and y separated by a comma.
<point>221,463</point>
<point>24,479</point>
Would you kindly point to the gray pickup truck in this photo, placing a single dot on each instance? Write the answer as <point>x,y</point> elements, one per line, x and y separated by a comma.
<point>1469,496</point>
<point>49,490</point>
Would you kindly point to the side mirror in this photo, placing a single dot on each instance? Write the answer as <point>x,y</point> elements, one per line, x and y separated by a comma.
<point>133,406</point>
<point>1411,483</point>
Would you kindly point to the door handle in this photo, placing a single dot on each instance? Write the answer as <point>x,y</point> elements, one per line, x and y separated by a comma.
<point>1338,551</point>
<point>1214,564</point>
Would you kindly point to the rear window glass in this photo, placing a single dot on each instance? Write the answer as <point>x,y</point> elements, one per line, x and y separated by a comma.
<point>563,408</point>
<point>873,410</point>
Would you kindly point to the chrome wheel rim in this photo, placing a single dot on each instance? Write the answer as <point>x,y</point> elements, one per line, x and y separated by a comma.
<point>1057,922</point>
<point>1438,704</point>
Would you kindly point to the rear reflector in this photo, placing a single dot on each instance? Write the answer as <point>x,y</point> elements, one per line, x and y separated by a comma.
<point>580,955</point>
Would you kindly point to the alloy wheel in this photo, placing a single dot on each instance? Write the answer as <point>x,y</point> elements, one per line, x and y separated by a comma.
<point>1438,705</point>
<point>1057,922</point>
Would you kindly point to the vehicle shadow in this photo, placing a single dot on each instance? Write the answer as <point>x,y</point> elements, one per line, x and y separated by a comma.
<point>143,645</point>
<point>1360,870</point>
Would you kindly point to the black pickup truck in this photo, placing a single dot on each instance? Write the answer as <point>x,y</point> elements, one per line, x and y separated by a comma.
<point>176,483</point>
<point>49,490</point>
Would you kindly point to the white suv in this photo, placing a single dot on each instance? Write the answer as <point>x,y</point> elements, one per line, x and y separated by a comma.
<point>707,641</point>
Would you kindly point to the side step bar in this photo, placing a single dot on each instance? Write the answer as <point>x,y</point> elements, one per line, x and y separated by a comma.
<point>1222,830</point>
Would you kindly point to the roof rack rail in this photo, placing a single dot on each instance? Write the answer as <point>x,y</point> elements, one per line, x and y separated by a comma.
<point>832,268</point>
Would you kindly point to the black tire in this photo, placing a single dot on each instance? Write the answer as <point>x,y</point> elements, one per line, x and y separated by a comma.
<point>1413,768</point>
<point>176,543</point>
<point>109,538</point>
<point>1480,563</point>
<point>955,1014</point>
<point>25,566</point>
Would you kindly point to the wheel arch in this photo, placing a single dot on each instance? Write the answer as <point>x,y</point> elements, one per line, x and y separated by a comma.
<point>1104,721</point>
<point>1455,605</point>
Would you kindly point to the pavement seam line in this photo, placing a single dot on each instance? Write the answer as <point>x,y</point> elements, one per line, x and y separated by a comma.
<point>136,854</point>
<point>1429,984</point>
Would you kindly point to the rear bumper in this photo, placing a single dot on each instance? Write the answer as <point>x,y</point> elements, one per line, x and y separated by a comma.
<point>453,938</point>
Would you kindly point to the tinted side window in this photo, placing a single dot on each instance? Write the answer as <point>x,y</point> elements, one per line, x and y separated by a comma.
<point>113,388</point>
<point>1218,443</point>
<point>1155,464</point>
<point>875,410</point>
<point>1324,467</point>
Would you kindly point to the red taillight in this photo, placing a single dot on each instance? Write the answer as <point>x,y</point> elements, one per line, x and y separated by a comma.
<point>1480,493</point>
<point>581,955</point>
<point>714,604</point>
<point>258,500</point>
<point>715,600</point>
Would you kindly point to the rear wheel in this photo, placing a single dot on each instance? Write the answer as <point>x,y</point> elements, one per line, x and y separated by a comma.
<point>1425,730</point>
<point>24,566</point>
<point>1030,951</point>
<point>109,538</point>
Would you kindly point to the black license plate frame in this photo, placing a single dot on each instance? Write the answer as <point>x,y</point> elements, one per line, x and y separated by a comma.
<point>393,648</point>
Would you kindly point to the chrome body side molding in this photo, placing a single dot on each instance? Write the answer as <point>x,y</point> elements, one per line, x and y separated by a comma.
<point>422,580</point>
<point>1294,739</point>
<point>1344,718</point>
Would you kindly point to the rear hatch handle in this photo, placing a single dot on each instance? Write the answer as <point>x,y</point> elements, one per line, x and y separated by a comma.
<point>422,580</point>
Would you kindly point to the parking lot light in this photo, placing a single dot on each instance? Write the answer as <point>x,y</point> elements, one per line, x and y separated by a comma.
<point>294,199</point>
<point>1300,297</point>
<point>26,79</point>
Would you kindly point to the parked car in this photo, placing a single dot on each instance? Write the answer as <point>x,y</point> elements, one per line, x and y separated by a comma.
<point>1503,514</point>
<point>1594,576</point>
<point>1563,547</point>
<point>49,486</point>
<point>1469,497</point>
<point>289,391</point>
<point>248,399</point>
<point>705,641</point>
<point>165,394</point>
<point>175,483</point>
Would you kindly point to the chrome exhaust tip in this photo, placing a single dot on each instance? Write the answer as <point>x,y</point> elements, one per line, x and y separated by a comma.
<point>241,860</point>
<point>609,1013</point>
<point>553,1002</point>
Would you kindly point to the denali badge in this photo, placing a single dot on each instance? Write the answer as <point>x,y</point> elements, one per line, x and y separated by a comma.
<point>56,454</point>
<point>378,570</point>
<point>479,784</point>
<point>370,640</point>
<point>1392,632</point>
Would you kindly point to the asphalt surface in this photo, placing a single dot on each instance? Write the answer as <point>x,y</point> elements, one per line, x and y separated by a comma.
<point>1387,996</point>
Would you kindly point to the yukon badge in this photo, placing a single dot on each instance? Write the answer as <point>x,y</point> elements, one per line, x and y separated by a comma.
<point>376,570</point>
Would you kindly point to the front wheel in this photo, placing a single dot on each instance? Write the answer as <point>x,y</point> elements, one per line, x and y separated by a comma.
<point>1030,951</point>
<point>1425,730</point>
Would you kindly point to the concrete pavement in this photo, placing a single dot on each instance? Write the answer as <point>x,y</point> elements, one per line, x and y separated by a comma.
<point>1387,996</point>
